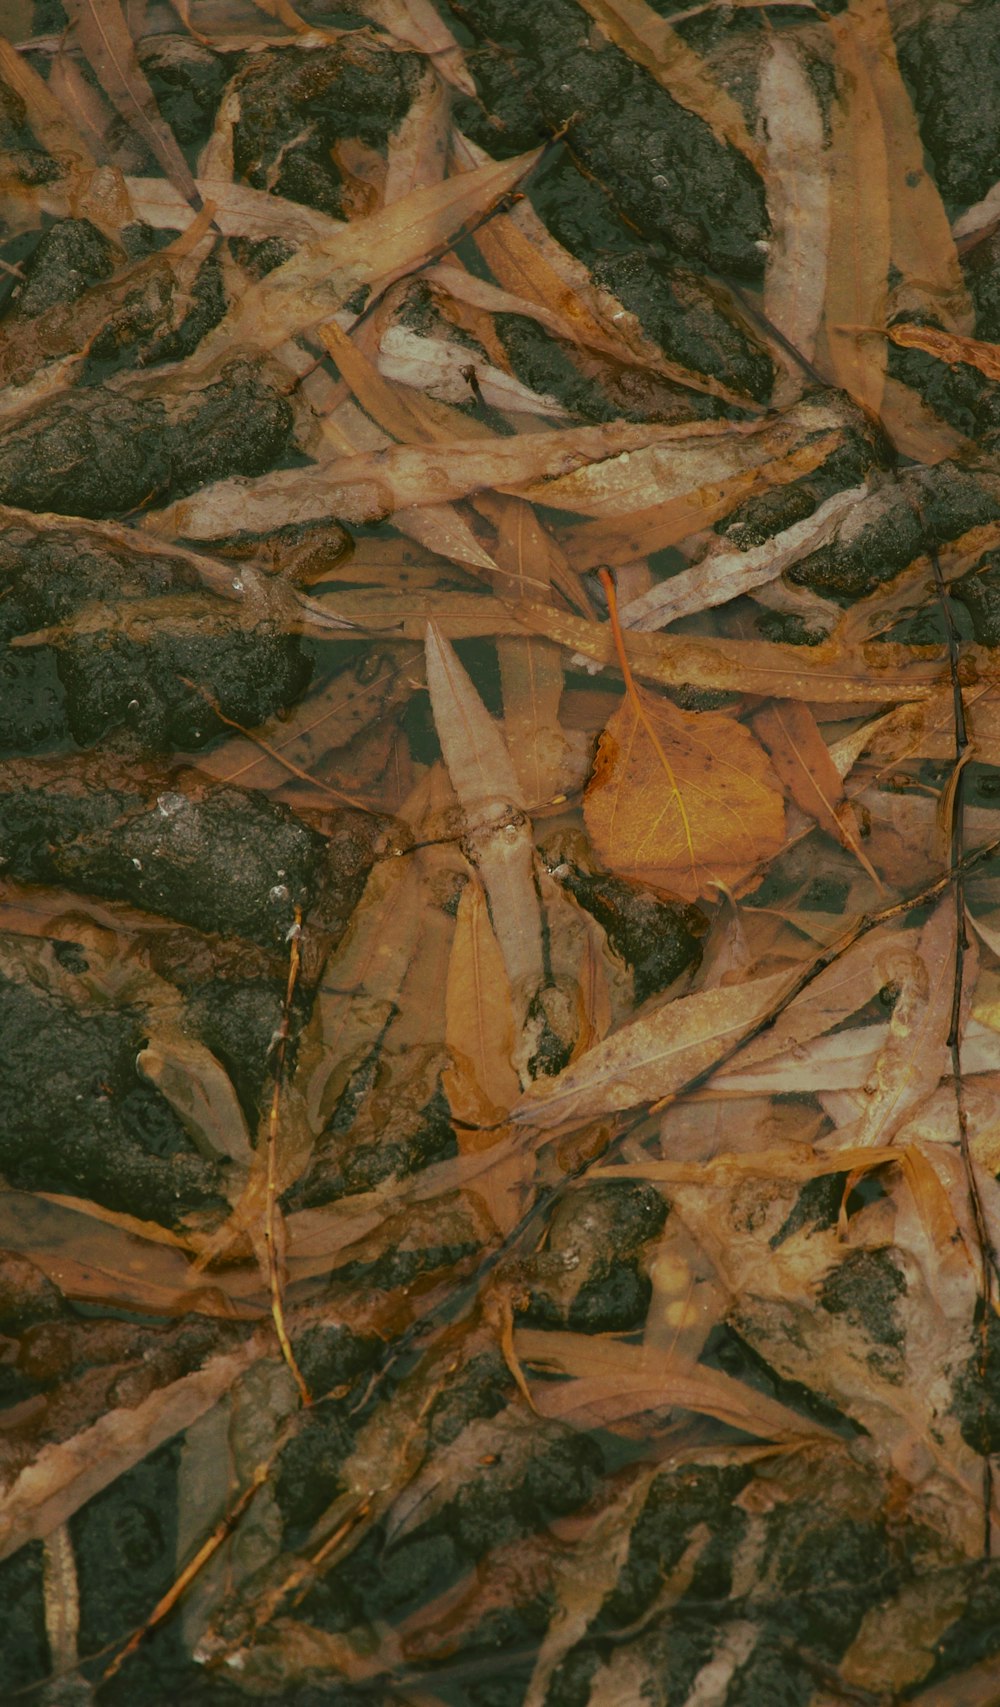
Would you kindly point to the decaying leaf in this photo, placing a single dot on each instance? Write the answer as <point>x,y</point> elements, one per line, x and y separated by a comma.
<point>499,946</point>
<point>685,801</point>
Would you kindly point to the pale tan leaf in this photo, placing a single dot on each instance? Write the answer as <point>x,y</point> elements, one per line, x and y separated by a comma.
<point>723,574</point>
<point>654,1056</point>
<point>797,179</point>
<point>372,485</point>
<point>622,539</point>
<point>320,278</point>
<point>199,1091</point>
<point>612,1379</point>
<point>908,1067</point>
<point>65,1476</point>
<point>418,148</point>
<point>417,23</point>
<point>239,210</point>
<point>479,763</point>
<point>498,839</point>
<point>360,987</point>
<point>103,35</point>
<point>802,761</point>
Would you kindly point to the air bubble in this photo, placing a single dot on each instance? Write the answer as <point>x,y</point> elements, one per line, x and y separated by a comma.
<point>278,893</point>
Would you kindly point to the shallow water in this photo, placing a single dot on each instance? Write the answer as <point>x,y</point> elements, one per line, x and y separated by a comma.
<point>499,930</point>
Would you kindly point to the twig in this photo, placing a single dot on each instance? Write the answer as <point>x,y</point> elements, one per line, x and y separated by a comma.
<point>956,842</point>
<point>273,753</point>
<point>168,1601</point>
<point>271,1210</point>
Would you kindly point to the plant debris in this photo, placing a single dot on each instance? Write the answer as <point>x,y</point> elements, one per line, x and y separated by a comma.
<point>499,898</point>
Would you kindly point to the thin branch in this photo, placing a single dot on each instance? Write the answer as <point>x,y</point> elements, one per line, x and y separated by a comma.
<point>272,1213</point>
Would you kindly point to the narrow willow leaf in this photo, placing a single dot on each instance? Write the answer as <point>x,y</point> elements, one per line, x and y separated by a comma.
<point>103,34</point>
<point>654,44</point>
<point>654,1056</point>
<point>64,1476</point>
<point>481,1084</point>
<point>859,225</point>
<point>797,178</point>
<point>479,764</point>
<point>498,841</point>
<point>321,277</point>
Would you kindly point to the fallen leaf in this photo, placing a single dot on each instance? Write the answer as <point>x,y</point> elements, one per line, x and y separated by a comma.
<point>652,1057</point>
<point>103,34</point>
<point>639,30</point>
<point>802,761</point>
<point>684,801</point>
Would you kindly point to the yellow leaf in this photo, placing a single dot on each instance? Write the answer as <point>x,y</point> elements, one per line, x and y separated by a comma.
<point>682,800</point>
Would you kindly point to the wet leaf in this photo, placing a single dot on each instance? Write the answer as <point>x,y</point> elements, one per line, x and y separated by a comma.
<point>683,801</point>
<point>654,1056</point>
<point>103,34</point>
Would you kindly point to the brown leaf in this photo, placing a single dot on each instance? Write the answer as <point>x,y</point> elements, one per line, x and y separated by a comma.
<point>481,1084</point>
<point>947,347</point>
<point>103,34</point>
<point>802,761</point>
<point>684,801</point>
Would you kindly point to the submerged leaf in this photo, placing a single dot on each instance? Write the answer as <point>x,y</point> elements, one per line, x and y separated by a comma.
<point>686,801</point>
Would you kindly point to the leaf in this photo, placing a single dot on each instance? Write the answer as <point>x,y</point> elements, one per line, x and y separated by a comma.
<point>418,24</point>
<point>909,1066</point>
<point>103,34</point>
<point>652,1057</point>
<point>48,119</point>
<point>797,179</point>
<point>801,758</point>
<point>475,752</point>
<point>612,1380</point>
<point>371,485</point>
<point>860,221</point>
<point>723,574</point>
<point>921,243</point>
<point>654,44</point>
<point>643,531</point>
<point>684,801</point>
<point>947,347</point>
<point>418,148</point>
<point>481,1085</point>
<point>321,277</point>
<point>498,839</point>
<point>65,1476</point>
<point>832,675</point>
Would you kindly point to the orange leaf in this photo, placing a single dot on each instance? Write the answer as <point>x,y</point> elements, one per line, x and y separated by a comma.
<point>682,800</point>
<point>947,347</point>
